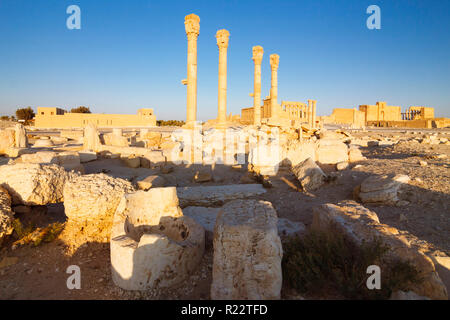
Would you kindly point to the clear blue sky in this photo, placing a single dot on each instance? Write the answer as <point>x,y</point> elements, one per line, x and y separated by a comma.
<point>132,54</point>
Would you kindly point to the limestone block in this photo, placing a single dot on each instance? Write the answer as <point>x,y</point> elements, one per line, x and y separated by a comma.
<point>87,156</point>
<point>309,174</point>
<point>7,139</point>
<point>70,160</point>
<point>91,140</point>
<point>341,166</point>
<point>216,195</point>
<point>43,143</point>
<point>40,157</point>
<point>360,224</point>
<point>331,151</point>
<point>131,161</point>
<point>115,140</point>
<point>151,182</point>
<point>21,140</point>
<point>247,252</point>
<point>6,215</point>
<point>34,184</point>
<point>381,189</point>
<point>14,152</point>
<point>355,155</point>
<point>153,139</point>
<point>93,196</point>
<point>152,243</point>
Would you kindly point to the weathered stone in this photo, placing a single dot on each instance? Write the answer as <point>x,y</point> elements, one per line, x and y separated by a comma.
<point>91,140</point>
<point>373,143</point>
<point>201,176</point>
<point>341,166</point>
<point>131,161</point>
<point>247,252</point>
<point>34,184</point>
<point>70,160</point>
<point>216,195</point>
<point>93,196</point>
<point>423,163</point>
<point>43,143</point>
<point>309,174</point>
<point>382,189</point>
<point>116,140</point>
<point>7,140</point>
<point>40,157</point>
<point>331,151</point>
<point>151,182</point>
<point>360,224</point>
<point>152,243</point>
<point>6,215</point>
<point>87,156</point>
<point>21,140</point>
<point>287,227</point>
<point>355,155</point>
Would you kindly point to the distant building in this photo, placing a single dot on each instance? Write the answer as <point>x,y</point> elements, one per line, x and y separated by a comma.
<point>51,117</point>
<point>381,112</point>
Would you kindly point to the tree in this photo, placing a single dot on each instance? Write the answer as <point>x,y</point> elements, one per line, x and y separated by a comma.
<point>25,114</point>
<point>4,118</point>
<point>80,109</point>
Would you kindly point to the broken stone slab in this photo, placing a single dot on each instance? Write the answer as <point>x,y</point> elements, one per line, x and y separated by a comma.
<point>87,156</point>
<point>33,183</point>
<point>247,252</point>
<point>93,196</point>
<point>216,195</point>
<point>381,189</point>
<point>6,215</point>
<point>152,243</point>
<point>115,140</point>
<point>361,225</point>
<point>309,174</point>
<point>151,182</point>
<point>70,160</point>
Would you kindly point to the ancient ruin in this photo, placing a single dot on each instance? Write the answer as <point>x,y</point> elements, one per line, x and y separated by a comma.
<point>237,207</point>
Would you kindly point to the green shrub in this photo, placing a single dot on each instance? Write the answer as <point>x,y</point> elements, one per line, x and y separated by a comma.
<point>330,263</point>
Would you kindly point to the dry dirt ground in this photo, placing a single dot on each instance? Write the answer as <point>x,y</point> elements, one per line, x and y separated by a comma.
<point>40,272</point>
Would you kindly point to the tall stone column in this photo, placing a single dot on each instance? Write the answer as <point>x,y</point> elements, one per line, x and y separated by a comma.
<point>309,112</point>
<point>314,114</point>
<point>257,57</point>
<point>222,37</point>
<point>192,26</point>
<point>274,62</point>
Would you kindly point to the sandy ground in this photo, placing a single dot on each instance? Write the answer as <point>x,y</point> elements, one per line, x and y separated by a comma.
<point>40,272</point>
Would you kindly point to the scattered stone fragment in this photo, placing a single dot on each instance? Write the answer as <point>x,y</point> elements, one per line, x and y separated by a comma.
<point>151,182</point>
<point>201,176</point>
<point>382,189</point>
<point>342,166</point>
<point>309,174</point>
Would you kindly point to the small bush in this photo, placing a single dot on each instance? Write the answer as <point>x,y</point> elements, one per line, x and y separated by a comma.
<point>26,235</point>
<point>331,264</point>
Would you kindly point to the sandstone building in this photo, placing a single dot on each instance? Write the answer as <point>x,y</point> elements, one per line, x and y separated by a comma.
<point>52,117</point>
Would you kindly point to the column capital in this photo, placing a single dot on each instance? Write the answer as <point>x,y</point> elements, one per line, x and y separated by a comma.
<point>222,37</point>
<point>274,61</point>
<point>192,25</point>
<point>258,52</point>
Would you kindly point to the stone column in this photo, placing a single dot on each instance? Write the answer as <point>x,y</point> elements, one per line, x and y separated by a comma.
<point>222,37</point>
<point>274,62</point>
<point>308,112</point>
<point>314,114</point>
<point>257,57</point>
<point>192,26</point>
